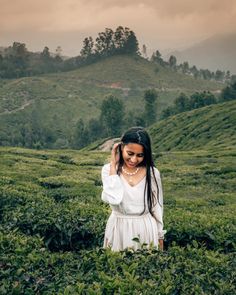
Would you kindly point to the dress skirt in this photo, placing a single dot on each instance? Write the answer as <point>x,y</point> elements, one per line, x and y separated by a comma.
<point>122,229</point>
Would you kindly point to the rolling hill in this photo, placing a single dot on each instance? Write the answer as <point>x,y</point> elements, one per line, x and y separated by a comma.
<point>209,127</point>
<point>57,101</point>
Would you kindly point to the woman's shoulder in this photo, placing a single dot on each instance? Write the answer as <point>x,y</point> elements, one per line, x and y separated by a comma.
<point>156,172</point>
<point>106,167</point>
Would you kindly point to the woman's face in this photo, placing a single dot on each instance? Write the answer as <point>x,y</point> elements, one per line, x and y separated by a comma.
<point>133,154</point>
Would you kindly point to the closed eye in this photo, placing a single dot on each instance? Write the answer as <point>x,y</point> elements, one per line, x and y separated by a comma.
<point>138,155</point>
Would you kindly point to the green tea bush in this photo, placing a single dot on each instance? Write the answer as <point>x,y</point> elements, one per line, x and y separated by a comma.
<point>53,222</point>
<point>211,231</point>
<point>28,268</point>
<point>68,226</point>
<point>84,192</point>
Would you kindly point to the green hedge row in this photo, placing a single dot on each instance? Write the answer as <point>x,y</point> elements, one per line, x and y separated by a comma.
<point>79,222</point>
<point>27,267</point>
<point>63,226</point>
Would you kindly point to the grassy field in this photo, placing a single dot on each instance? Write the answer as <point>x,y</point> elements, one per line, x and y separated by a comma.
<point>53,221</point>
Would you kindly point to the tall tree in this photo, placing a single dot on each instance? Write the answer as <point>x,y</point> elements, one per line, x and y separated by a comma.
<point>172,61</point>
<point>112,115</point>
<point>157,58</point>
<point>144,51</point>
<point>45,55</point>
<point>228,93</point>
<point>87,49</point>
<point>150,97</point>
<point>80,138</point>
<point>182,103</point>
<point>105,42</point>
<point>131,45</point>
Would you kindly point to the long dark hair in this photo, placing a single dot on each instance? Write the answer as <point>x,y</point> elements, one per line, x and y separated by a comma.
<point>140,136</point>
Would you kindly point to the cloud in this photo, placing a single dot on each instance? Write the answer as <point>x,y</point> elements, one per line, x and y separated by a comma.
<point>162,23</point>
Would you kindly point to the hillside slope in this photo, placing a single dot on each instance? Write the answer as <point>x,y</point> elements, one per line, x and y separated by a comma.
<point>127,77</point>
<point>209,127</point>
<point>57,101</point>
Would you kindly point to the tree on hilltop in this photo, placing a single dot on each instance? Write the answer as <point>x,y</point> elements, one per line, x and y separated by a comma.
<point>172,61</point>
<point>87,49</point>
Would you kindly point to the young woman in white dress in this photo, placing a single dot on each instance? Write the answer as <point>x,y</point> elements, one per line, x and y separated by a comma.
<point>132,187</point>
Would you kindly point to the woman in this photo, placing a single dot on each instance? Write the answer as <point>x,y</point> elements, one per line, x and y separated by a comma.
<point>132,187</point>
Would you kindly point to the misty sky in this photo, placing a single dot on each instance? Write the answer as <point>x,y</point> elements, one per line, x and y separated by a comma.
<point>160,24</point>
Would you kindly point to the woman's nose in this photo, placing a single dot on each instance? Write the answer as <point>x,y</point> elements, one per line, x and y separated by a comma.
<point>134,159</point>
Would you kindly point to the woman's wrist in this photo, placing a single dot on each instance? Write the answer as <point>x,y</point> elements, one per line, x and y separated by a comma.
<point>113,164</point>
<point>113,168</point>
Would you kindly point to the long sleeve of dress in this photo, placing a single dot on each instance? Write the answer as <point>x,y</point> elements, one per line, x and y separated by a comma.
<point>113,190</point>
<point>158,208</point>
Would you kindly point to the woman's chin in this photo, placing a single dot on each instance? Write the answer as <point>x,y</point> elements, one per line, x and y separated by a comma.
<point>130,165</point>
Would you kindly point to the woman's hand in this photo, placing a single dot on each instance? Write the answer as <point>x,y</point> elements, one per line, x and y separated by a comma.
<point>115,154</point>
<point>161,244</point>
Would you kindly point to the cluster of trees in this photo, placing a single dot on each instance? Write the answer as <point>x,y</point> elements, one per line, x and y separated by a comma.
<point>229,92</point>
<point>109,43</point>
<point>114,120</point>
<point>16,61</point>
<point>185,68</point>
<point>197,100</point>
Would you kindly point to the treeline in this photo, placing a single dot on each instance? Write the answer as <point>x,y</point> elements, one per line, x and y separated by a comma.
<point>197,100</point>
<point>109,43</point>
<point>185,68</point>
<point>16,61</point>
<point>33,132</point>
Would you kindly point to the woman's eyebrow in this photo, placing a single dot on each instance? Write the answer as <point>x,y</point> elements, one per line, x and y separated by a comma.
<point>134,153</point>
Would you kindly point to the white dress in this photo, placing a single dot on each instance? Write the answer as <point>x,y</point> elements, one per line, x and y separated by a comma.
<point>127,203</point>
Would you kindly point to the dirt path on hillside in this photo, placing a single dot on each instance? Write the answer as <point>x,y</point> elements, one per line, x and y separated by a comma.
<point>26,104</point>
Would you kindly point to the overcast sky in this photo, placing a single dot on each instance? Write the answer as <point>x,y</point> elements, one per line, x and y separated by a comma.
<point>160,24</point>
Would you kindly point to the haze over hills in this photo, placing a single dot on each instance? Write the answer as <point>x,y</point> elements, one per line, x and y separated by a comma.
<point>217,52</point>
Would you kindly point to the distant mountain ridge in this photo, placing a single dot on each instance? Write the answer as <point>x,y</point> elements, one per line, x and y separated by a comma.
<point>216,52</point>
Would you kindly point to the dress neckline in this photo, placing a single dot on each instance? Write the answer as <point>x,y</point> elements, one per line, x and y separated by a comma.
<point>135,184</point>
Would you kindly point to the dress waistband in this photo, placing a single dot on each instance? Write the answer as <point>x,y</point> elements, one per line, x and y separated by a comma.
<point>120,215</point>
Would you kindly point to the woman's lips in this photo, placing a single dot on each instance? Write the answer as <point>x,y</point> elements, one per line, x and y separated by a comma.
<point>132,164</point>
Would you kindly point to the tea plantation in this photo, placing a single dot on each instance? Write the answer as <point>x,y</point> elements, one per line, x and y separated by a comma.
<point>53,221</point>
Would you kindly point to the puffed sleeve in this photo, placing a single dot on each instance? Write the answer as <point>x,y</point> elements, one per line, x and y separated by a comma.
<point>158,208</point>
<point>113,190</point>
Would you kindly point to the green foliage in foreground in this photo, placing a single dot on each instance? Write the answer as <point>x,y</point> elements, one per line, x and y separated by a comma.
<point>28,268</point>
<point>53,221</point>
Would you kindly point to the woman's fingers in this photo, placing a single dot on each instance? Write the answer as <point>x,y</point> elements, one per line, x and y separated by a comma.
<point>115,152</point>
